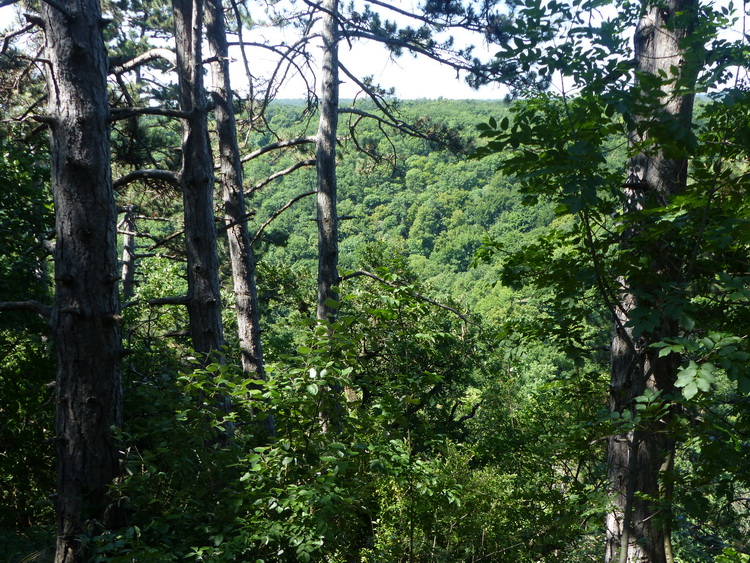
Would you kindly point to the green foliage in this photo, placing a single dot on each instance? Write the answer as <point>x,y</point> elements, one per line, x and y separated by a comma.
<point>27,362</point>
<point>25,221</point>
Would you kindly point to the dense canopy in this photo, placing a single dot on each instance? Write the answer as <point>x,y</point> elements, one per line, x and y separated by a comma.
<point>241,328</point>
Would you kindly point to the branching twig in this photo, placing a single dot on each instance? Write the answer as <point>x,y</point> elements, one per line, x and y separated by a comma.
<point>281,173</point>
<point>7,38</point>
<point>279,212</point>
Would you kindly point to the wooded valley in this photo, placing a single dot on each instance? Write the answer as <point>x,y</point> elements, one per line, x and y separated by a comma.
<point>235,327</point>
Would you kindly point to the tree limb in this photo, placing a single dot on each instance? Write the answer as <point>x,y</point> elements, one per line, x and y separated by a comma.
<point>280,145</point>
<point>164,241</point>
<point>281,173</point>
<point>151,174</point>
<point>177,300</point>
<point>7,38</point>
<point>471,414</point>
<point>31,305</point>
<point>118,66</point>
<point>279,212</point>
<point>117,114</point>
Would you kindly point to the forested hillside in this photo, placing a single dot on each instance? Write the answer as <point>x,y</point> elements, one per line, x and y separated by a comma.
<point>239,328</point>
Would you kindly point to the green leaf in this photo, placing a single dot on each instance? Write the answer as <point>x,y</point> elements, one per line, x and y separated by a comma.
<point>690,390</point>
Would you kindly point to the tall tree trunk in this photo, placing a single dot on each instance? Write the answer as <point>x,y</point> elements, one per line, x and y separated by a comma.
<point>197,183</point>
<point>328,249</point>
<point>85,319</point>
<point>638,527</point>
<point>235,211</point>
<point>127,226</point>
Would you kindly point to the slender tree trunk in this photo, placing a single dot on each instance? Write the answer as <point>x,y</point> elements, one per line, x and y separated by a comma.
<point>638,527</point>
<point>85,318</point>
<point>197,183</point>
<point>127,226</point>
<point>235,211</point>
<point>328,250</point>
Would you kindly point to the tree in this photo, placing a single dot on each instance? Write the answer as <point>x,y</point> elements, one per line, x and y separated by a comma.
<point>328,252</point>
<point>235,211</point>
<point>639,461</point>
<point>655,267</point>
<point>197,182</point>
<point>86,313</point>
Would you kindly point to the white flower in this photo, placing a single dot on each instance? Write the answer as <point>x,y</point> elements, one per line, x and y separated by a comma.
<point>313,373</point>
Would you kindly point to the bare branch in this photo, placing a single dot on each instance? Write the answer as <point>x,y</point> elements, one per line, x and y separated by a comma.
<point>155,174</point>
<point>178,300</point>
<point>471,414</point>
<point>117,114</point>
<point>7,38</point>
<point>118,66</point>
<point>279,212</point>
<point>224,228</point>
<point>279,145</point>
<point>281,173</point>
<point>33,306</point>
<point>34,19</point>
<point>165,240</point>
<point>453,63</point>
<point>46,119</point>
<point>28,113</point>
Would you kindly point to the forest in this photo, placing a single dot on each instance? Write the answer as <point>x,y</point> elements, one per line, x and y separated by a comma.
<point>236,326</point>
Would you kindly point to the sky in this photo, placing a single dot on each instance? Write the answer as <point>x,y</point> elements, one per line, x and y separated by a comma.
<point>411,77</point>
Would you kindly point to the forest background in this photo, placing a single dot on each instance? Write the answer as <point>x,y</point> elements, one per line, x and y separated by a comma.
<point>447,395</point>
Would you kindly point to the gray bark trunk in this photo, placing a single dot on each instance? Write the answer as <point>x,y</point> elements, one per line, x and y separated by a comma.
<point>235,211</point>
<point>328,250</point>
<point>127,225</point>
<point>85,317</point>
<point>197,183</point>
<point>638,526</point>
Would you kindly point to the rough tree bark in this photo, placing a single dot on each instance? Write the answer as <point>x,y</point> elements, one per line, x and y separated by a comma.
<point>197,183</point>
<point>638,527</point>
<point>85,316</point>
<point>328,250</point>
<point>235,210</point>
<point>127,226</point>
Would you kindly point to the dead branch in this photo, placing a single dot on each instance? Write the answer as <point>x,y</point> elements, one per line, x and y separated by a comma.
<point>120,65</point>
<point>280,145</point>
<point>7,38</point>
<point>117,114</point>
<point>31,305</point>
<point>279,212</point>
<point>150,174</point>
<point>281,173</point>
